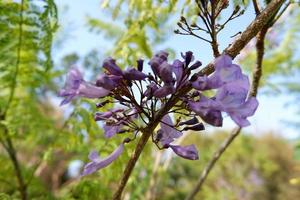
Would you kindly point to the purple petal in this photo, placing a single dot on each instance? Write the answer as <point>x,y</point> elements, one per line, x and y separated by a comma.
<point>110,65</point>
<point>203,106</point>
<point>98,163</point>
<point>169,133</point>
<point>106,115</point>
<point>188,57</point>
<point>110,131</point>
<point>164,91</point>
<point>201,83</point>
<point>165,72</point>
<point>239,114</point>
<point>76,86</point>
<point>102,116</point>
<point>133,74</point>
<point>93,156</point>
<point>213,117</point>
<point>225,72</point>
<point>74,78</point>
<point>222,61</point>
<point>192,121</point>
<point>108,82</point>
<point>91,91</point>
<point>157,60</point>
<point>73,81</point>
<point>196,65</point>
<point>150,90</point>
<point>178,70</point>
<point>140,64</point>
<point>208,110</point>
<point>188,152</point>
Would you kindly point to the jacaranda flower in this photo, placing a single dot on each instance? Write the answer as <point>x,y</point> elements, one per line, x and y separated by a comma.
<point>138,98</point>
<point>76,86</point>
<point>98,163</point>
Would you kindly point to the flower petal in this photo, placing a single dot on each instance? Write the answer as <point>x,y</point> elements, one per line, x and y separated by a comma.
<point>108,82</point>
<point>133,74</point>
<point>164,91</point>
<point>188,152</point>
<point>91,91</point>
<point>110,131</point>
<point>97,163</point>
<point>169,133</point>
<point>110,65</point>
<point>165,72</point>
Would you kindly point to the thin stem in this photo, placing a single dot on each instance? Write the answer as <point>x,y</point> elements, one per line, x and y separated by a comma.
<point>214,42</point>
<point>131,163</point>
<point>212,162</point>
<point>256,7</point>
<point>13,157</point>
<point>253,28</point>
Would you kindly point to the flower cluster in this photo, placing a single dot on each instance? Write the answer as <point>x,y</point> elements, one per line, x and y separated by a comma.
<point>139,96</point>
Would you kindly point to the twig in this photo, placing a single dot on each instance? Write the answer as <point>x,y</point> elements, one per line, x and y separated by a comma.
<point>150,194</point>
<point>257,73</point>
<point>233,50</point>
<point>13,157</point>
<point>214,42</point>
<point>259,22</point>
<point>256,7</point>
<point>212,162</point>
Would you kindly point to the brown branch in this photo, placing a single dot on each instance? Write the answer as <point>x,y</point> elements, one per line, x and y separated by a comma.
<point>259,22</point>
<point>257,73</point>
<point>233,50</point>
<point>9,147</point>
<point>214,42</point>
<point>256,7</point>
<point>147,132</point>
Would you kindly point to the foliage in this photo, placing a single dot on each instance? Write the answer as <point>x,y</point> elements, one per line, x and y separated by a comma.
<point>254,168</point>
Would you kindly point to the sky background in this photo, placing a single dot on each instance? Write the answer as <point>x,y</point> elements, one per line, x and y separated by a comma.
<point>272,111</point>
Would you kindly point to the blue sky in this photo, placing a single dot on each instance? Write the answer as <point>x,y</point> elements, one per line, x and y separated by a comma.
<point>272,110</point>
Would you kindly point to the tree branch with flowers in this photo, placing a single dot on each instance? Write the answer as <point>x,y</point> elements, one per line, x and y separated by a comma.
<point>146,103</point>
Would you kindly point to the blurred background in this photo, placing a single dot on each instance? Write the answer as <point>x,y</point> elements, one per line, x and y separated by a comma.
<point>44,146</point>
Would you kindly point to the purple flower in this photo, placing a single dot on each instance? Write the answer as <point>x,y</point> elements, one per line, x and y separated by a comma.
<point>133,74</point>
<point>167,131</point>
<point>110,65</point>
<point>150,90</point>
<point>188,57</point>
<point>188,152</point>
<point>232,99</point>
<point>157,60</point>
<point>165,72</point>
<point>111,130</point>
<point>108,82</point>
<point>179,73</point>
<point>207,109</point>
<point>225,72</point>
<point>164,91</point>
<point>140,63</point>
<point>98,163</point>
<point>76,86</point>
<point>106,115</point>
